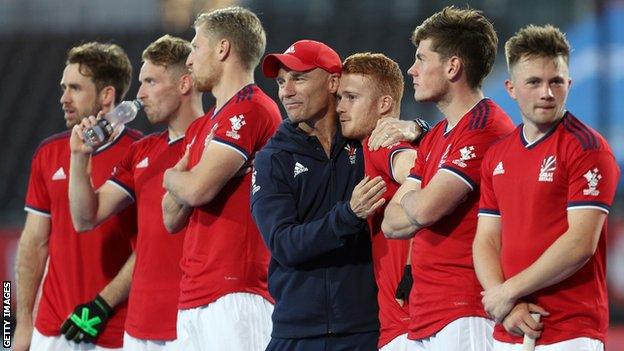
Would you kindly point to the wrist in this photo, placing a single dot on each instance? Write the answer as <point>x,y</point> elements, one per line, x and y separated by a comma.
<point>513,294</point>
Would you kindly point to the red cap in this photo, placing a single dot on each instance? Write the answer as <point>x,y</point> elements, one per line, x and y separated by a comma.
<point>302,56</point>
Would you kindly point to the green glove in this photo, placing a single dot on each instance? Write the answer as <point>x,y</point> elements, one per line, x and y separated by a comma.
<point>87,321</point>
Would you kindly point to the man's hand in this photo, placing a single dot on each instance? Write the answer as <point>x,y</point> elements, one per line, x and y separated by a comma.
<point>519,321</point>
<point>390,131</point>
<point>405,286</point>
<point>22,336</point>
<point>367,196</point>
<point>87,321</point>
<point>497,302</point>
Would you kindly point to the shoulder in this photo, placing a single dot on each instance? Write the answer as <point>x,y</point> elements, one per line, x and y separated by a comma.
<point>54,140</point>
<point>489,116</point>
<point>132,134</point>
<point>581,136</point>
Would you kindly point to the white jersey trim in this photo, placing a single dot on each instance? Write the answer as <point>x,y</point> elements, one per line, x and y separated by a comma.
<point>458,176</point>
<point>37,212</point>
<point>230,147</point>
<point>585,207</point>
<point>488,215</point>
<point>121,188</point>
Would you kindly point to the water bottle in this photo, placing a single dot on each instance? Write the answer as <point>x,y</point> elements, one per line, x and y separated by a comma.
<point>121,114</point>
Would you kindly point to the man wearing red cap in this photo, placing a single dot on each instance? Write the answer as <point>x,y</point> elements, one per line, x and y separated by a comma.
<point>224,303</point>
<point>310,200</point>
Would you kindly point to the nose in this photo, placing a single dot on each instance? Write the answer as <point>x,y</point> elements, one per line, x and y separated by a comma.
<point>64,97</point>
<point>547,92</point>
<point>141,93</point>
<point>189,60</point>
<point>413,71</point>
<point>286,89</point>
<point>340,107</point>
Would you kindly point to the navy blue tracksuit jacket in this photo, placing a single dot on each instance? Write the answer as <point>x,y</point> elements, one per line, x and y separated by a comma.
<point>320,273</point>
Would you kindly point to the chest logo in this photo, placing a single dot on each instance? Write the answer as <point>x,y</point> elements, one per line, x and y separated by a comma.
<point>547,170</point>
<point>593,177</point>
<point>466,153</point>
<point>299,168</point>
<point>499,169</point>
<point>144,163</point>
<point>352,153</point>
<point>59,174</point>
<point>237,123</point>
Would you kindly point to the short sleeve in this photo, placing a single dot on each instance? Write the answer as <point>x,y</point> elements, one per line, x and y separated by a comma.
<point>382,158</point>
<point>593,177</point>
<point>416,173</point>
<point>37,195</point>
<point>465,155</point>
<point>240,131</point>
<point>488,205</point>
<point>123,173</point>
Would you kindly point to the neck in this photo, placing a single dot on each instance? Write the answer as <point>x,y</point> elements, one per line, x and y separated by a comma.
<point>233,79</point>
<point>323,128</point>
<point>190,109</point>
<point>534,131</point>
<point>457,103</point>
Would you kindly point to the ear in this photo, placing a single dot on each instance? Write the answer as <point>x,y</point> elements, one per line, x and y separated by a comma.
<point>385,104</point>
<point>454,68</point>
<point>107,98</point>
<point>223,49</point>
<point>185,84</point>
<point>333,83</point>
<point>509,86</point>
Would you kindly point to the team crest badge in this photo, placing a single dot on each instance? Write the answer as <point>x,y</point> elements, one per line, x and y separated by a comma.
<point>593,177</point>
<point>237,123</point>
<point>351,152</point>
<point>466,153</point>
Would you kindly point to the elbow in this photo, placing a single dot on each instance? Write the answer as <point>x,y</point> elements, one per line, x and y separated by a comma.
<point>81,226</point>
<point>423,216</point>
<point>388,230</point>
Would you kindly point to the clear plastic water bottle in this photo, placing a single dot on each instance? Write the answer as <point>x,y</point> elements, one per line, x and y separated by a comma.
<point>121,114</point>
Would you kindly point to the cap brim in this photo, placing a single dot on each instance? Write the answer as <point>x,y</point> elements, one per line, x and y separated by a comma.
<point>272,62</point>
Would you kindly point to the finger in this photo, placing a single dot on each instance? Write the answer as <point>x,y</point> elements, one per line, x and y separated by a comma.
<point>515,331</point>
<point>536,308</point>
<point>92,120</point>
<point>374,193</point>
<point>532,323</point>
<point>100,115</point>
<point>369,184</point>
<point>376,205</point>
<point>393,138</point>
<point>526,330</point>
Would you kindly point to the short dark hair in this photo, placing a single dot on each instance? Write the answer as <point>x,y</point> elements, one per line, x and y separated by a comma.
<point>240,27</point>
<point>536,41</point>
<point>168,51</point>
<point>106,64</point>
<point>465,33</point>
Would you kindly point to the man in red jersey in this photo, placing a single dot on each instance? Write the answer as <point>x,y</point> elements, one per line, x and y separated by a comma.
<point>371,87</point>
<point>92,270</point>
<point>224,303</point>
<point>438,205</point>
<point>169,98</point>
<point>546,192</point>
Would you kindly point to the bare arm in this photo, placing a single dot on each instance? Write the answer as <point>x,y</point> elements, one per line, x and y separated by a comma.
<point>486,251</point>
<point>402,163</point>
<point>199,185</point>
<point>117,290</point>
<point>413,208</point>
<point>396,224</point>
<point>89,208</point>
<point>32,253</point>
<point>175,214</point>
<point>562,259</point>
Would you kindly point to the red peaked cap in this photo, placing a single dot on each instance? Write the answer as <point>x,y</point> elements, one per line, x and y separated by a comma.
<point>302,56</point>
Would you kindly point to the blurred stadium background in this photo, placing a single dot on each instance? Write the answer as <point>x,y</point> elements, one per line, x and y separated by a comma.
<point>36,34</point>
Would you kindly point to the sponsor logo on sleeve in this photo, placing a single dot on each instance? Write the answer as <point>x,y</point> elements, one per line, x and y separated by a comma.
<point>237,123</point>
<point>466,153</point>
